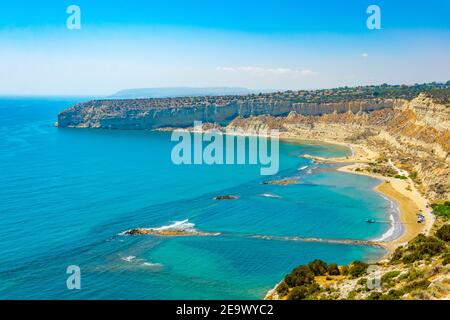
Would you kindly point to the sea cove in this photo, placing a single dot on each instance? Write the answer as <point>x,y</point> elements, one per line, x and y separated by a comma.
<point>68,194</point>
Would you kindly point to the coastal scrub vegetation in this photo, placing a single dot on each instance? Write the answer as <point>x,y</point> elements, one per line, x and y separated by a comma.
<point>442,209</point>
<point>418,270</point>
<point>420,248</point>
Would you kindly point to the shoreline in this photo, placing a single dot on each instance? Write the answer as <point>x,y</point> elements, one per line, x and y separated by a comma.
<point>403,193</point>
<point>408,202</point>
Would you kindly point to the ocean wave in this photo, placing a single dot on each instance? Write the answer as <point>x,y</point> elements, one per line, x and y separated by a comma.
<point>139,262</point>
<point>128,258</point>
<point>390,232</point>
<point>396,229</point>
<point>183,225</point>
<point>270,195</point>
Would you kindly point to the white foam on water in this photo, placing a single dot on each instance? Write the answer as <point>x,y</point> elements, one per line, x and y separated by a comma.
<point>152,265</point>
<point>139,262</point>
<point>269,195</point>
<point>390,232</point>
<point>183,225</point>
<point>129,258</point>
<point>396,228</point>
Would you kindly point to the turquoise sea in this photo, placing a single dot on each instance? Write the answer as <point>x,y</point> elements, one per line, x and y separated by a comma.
<point>67,194</point>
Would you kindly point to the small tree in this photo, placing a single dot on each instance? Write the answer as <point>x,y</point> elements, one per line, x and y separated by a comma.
<point>357,269</point>
<point>344,270</point>
<point>298,293</point>
<point>303,275</point>
<point>333,269</point>
<point>282,288</point>
<point>318,267</point>
<point>444,233</point>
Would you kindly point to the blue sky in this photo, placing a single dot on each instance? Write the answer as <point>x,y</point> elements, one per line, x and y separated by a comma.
<point>255,44</point>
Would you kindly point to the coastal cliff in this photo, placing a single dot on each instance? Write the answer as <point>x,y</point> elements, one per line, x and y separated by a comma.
<point>414,134</point>
<point>146,114</point>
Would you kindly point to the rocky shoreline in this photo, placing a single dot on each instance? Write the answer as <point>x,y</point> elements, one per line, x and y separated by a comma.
<point>166,233</point>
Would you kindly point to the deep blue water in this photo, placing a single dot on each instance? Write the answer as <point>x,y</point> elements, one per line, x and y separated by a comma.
<point>66,194</point>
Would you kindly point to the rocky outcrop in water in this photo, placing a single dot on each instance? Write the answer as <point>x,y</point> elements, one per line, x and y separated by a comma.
<point>226,197</point>
<point>166,232</point>
<point>282,182</point>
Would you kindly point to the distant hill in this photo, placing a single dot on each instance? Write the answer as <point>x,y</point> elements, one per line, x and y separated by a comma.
<point>174,92</point>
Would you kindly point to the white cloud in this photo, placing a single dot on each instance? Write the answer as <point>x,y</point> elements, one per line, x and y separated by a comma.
<point>267,71</point>
<point>364,55</point>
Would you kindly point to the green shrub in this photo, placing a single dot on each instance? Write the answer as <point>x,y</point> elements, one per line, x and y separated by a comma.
<point>318,267</point>
<point>357,269</point>
<point>344,270</point>
<point>442,209</point>
<point>362,281</point>
<point>375,296</point>
<point>388,277</point>
<point>392,295</point>
<point>414,274</point>
<point>282,288</point>
<point>333,269</point>
<point>416,285</point>
<point>446,258</point>
<point>397,255</point>
<point>444,233</point>
<point>422,247</point>
<point>313,288</point>
<point>299,276</point>
<point>411,257</point>
<point>298,293</point>
<point>351,295</point>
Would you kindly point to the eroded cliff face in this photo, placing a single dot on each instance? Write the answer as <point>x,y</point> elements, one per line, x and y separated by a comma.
<point>149,114</point>
<point>415,134</point>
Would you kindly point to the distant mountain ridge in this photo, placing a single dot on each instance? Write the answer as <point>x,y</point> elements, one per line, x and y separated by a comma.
<point>175,92</point>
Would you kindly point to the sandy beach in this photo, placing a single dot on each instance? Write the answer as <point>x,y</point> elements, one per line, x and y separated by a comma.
<point>402,191</point>
<point>407,198</point>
